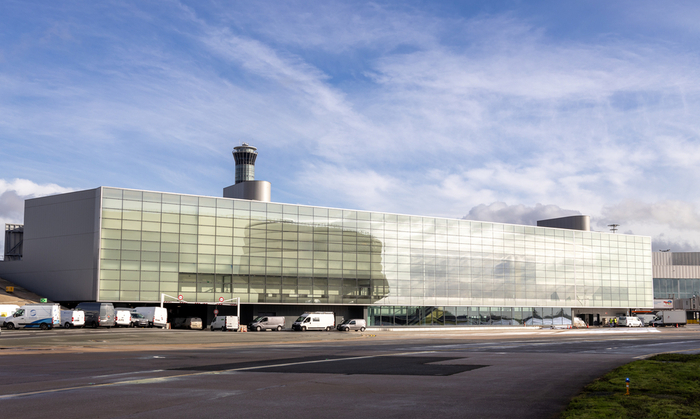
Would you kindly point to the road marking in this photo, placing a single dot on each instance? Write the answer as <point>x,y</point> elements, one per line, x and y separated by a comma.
<point>667,352</point>
<point>194,374</point>
<point>126,373</point>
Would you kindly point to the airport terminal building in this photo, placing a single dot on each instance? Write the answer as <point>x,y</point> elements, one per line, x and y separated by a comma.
<point>131,246</point>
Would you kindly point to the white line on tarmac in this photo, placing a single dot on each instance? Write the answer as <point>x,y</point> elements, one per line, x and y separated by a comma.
<point>194,374</point>
<point>126,373</point>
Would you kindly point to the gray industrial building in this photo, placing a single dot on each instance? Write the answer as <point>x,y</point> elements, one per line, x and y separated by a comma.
<point>133,246</point>
<point>676,274</point>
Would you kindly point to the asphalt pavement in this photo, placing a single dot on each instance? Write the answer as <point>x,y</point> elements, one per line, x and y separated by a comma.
<point>122,373</point>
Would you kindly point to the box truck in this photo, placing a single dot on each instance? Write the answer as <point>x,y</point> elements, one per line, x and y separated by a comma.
<point>72,318</point>
<point>319,320</point>
<point>156,316</point>
<point>43,316</point>
<point>670,318</point>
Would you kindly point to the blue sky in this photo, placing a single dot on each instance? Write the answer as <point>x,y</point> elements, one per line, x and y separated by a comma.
<point>507,111</point>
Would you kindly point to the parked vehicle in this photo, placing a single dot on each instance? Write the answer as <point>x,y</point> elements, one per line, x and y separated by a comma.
<point>156,316</point>
<point>122,317</point>
<point>670,318</point>
<point>319,320</point>
<point>72,318</point>
<point>629,321</point>
<point>225,323</point>
<point>267,323</point>
<point>43,316</point>
<point>646,319</point>
<point>98,314</point>
<point>7,310</point>
<point>353,324</point>
<point>138,320</point>
<point>188,323</point>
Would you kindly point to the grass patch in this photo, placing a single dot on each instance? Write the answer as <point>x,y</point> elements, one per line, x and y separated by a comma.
<point>663,386</point>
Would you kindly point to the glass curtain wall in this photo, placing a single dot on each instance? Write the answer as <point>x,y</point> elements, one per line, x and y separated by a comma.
<point>676,287</point>
<point>204,248</point>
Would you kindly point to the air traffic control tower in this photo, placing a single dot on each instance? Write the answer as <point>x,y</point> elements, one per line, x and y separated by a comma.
<point>246,187</point>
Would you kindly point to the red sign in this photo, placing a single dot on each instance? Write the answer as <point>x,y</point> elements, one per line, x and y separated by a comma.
<point>221,299</point>
<point>179,297</point>
<point>216,311</point>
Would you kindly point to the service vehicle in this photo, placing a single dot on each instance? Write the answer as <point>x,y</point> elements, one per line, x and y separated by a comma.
<point>647,319</point>
<point>122,317</point>
<point>156,316</point>
<point>97,314</point>
<point>72,318</point>
<point>224,323</point>
<point>138,320</point>
<point>194,323</point>
<point>43,316</point>
<point>261,323</point>
<point>353,324</point>
<point>318,320</point>
<point>670,318</point>
<point>627,321</point>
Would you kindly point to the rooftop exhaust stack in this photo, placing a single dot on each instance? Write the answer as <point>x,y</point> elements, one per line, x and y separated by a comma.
<point>246,187</point>
<point>573,222</point>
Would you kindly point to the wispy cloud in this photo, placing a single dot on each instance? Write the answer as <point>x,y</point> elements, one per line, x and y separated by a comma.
<point>390,107</point>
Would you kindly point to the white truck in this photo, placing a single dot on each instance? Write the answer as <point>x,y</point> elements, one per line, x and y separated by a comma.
<point>318,320</point>
<point>43,316</point>
<point>670,318</point>
<point>157,316</point>
<point>72,318</point>
<point>225,323</point>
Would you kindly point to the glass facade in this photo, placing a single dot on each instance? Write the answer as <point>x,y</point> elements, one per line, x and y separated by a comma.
<point>467,316</point>
<point>406,269</point>
<point>676,287</point>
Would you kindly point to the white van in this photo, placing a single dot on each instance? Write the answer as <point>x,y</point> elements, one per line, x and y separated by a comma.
<point>319,320</point>
<point>261,323</point>
<point>72,318</point>
<point>157,316</point>
<point>225,323</point>
<point>122,317</point>
<point>44,316</point>
<point>629,321</point>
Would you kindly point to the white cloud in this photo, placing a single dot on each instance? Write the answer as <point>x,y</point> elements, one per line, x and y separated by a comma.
<point>500,212</point>
<point>374,107</point>
<point>12,196</point>
<point>673,214</point>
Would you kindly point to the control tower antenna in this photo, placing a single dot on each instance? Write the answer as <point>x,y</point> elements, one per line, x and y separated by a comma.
<point>245,156</point>
<point>613,227</point>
